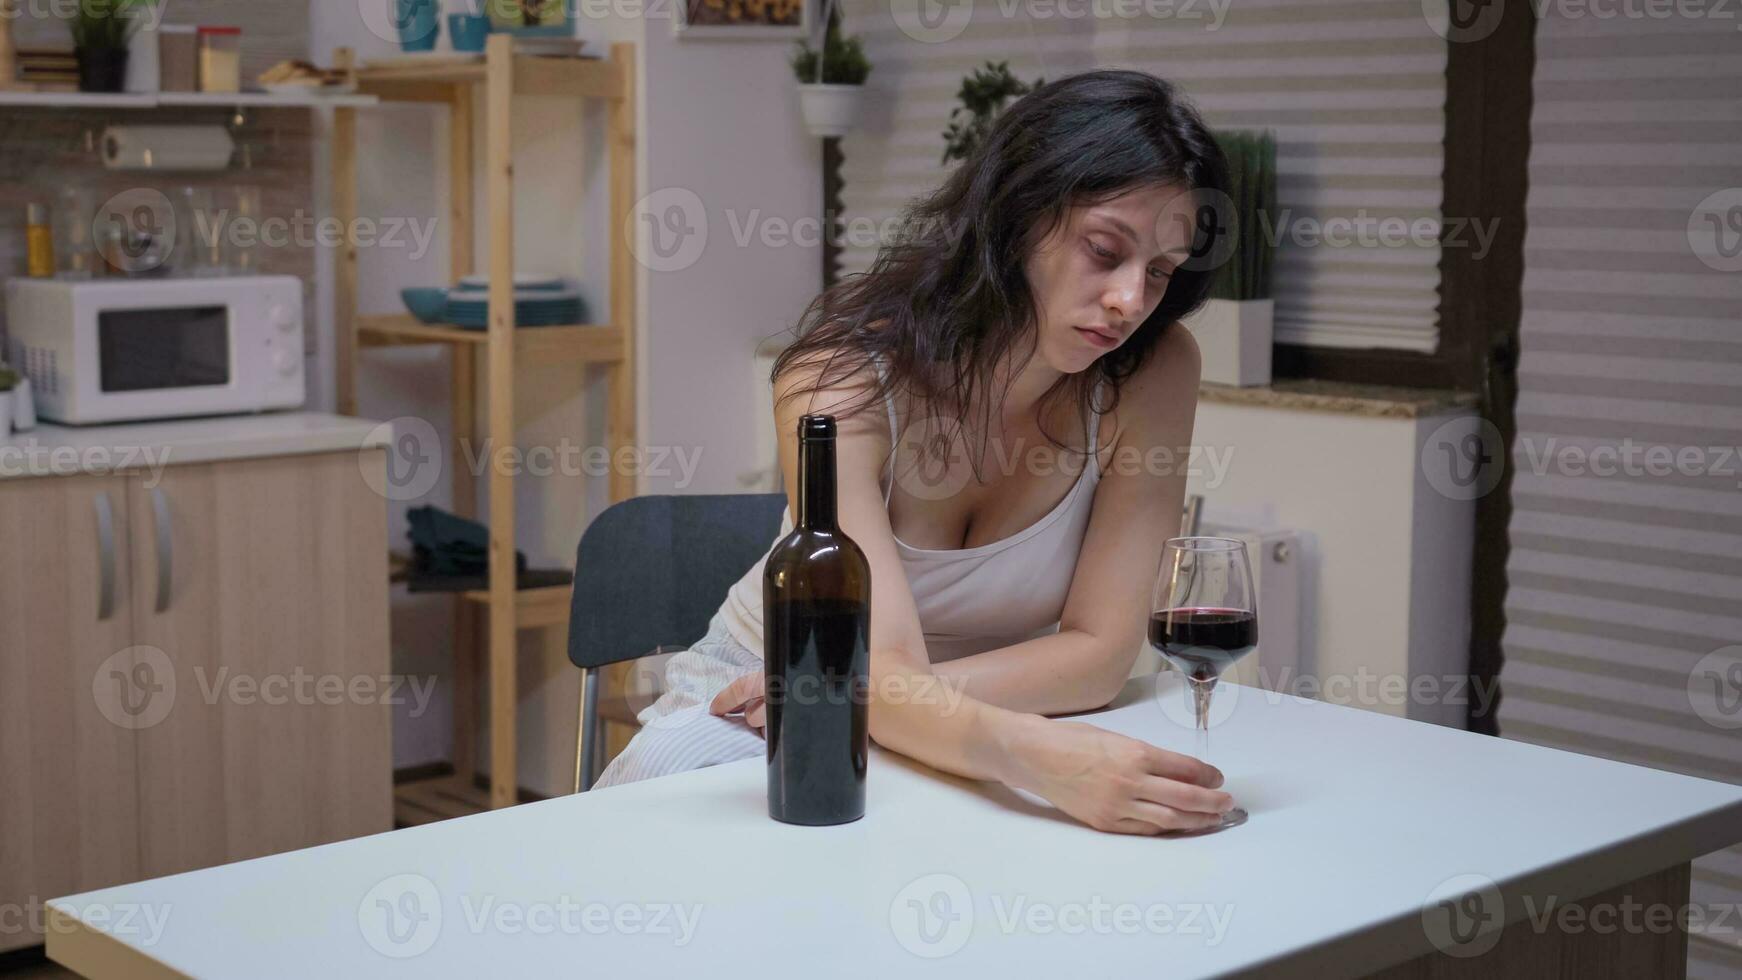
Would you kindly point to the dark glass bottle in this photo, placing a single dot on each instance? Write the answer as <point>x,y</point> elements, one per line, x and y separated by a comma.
<point>816,617</point>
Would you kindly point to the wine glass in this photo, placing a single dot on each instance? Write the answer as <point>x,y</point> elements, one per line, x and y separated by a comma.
<point>1203,617</point>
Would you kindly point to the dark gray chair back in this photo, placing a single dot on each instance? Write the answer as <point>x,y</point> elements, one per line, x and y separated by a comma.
<point>651,571</point>
<point>649,574</point>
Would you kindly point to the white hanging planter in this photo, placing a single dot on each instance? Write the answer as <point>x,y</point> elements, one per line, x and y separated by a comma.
<point>1234,337</point>
<point>830,110</point>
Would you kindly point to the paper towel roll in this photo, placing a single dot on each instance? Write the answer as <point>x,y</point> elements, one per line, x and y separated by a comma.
<point>167,148</point>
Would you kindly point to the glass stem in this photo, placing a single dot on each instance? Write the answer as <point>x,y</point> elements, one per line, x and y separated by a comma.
<point>1200,692</point>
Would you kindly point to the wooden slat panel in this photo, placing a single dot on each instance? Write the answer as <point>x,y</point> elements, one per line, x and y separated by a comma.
<point>1623,585</point>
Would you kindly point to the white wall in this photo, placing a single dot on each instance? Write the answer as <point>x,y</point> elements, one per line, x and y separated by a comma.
<point>715,118</point>
<point>1387,556</point>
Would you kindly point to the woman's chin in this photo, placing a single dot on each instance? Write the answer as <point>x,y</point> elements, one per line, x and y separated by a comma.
<point>1074,362</point>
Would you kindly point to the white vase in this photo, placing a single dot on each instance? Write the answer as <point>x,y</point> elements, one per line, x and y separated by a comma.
<point>1235,337</point>
<point>5,416</point>
<point>830,110</point>
<point>143,72</point>
<point>23,406</point>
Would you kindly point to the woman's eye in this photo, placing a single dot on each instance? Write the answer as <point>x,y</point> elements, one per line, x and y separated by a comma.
<point>1161,274</point>
<point>1099,251</point>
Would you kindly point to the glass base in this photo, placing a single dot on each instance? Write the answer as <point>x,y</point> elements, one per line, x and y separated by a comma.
<point>1233,818</point>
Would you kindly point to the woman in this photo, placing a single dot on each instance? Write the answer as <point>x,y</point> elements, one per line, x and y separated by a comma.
<point>994,378</point>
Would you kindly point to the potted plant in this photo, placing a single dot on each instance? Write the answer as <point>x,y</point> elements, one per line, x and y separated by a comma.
<point>1235,327</point>
<point>983,95</point>
<point>830,100</point>
<point>101,30</point>
<point>8,381</point>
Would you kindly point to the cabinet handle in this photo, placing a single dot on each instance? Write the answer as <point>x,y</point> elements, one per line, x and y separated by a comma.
<point>105,556</point>
<point>165,548</point>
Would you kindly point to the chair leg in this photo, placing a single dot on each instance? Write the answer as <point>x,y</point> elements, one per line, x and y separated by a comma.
<point>595,733</point>
<point>582,742</point>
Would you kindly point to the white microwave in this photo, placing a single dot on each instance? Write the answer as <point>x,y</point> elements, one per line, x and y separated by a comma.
<point>119,350</point>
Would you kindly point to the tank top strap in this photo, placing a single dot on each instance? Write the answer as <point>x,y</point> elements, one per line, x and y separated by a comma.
<point>889,403</point>
<point>1095,415</point>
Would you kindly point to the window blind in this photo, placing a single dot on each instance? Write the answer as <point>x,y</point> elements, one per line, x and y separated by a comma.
<point>1355,92</point>
<point>1626,579</point>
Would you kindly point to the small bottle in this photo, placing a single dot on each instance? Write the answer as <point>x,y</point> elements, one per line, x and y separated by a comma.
<point>38,242</point>
<point>816,617</point>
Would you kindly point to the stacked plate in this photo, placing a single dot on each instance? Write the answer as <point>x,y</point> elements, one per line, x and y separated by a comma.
<point>539,301</point>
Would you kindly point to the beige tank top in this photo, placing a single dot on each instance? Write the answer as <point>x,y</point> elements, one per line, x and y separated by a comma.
<point>970,600</point>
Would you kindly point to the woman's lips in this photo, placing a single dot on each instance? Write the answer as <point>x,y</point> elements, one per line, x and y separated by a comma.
<point>1097,338</point>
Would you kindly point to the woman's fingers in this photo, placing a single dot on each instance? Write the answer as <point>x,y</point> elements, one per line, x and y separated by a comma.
<point>734,696</point>
<point>1184,768</point>
<point>1183,796</point>
<point>1127,825</point>
<point>1168,818</point>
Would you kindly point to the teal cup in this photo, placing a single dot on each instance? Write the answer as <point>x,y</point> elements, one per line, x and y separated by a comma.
<point>468,31</point>
<point>417,24</point>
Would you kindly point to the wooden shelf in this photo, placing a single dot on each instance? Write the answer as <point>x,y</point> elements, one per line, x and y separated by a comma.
<point>592,342</point>
<point>479,97</point>
<point>441,798</point>
<point>155,100</point>
<point>533,75</point>
<point>534,608</point>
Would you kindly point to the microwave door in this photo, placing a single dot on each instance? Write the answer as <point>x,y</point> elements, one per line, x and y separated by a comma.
<point>163,349</point>
<point>163,362</point>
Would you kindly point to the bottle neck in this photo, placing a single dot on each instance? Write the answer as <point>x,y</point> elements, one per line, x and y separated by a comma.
<point>816,484</point>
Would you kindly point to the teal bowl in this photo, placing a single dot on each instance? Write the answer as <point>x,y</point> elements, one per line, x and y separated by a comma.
<point>428,303</point>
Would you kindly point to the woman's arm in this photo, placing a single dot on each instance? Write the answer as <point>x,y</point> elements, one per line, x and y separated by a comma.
<point>1136,510</point>
<point>1109,781</point>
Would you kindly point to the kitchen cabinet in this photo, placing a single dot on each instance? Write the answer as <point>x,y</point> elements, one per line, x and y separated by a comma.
<point>68,786</point>
<point>193,669</point>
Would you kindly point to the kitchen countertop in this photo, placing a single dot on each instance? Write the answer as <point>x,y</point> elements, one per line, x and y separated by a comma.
<point>1374,401</point>
<point>1364,830</point>
<point>57,450</point>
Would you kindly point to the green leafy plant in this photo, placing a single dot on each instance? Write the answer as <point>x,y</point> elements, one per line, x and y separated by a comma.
<point>1252,186</point>
<point>103,24</point>
<point>982,96</point>
<point>844,61</point>
<point>8,378</point>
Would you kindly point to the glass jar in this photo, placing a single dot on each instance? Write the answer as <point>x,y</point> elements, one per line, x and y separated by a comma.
<point>75,248</point>
<point>220,59</point>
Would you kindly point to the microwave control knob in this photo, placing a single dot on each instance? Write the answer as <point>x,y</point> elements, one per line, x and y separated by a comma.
<point>285,364</point>
<point>280,316</point>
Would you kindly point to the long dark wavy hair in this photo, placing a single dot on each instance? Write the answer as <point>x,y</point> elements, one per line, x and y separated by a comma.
<point>945,302</point>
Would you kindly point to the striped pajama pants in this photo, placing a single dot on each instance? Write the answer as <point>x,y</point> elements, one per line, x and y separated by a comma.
<point>677,732</point>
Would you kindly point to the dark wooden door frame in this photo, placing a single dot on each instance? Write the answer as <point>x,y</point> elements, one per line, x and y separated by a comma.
<point>1488,107</point>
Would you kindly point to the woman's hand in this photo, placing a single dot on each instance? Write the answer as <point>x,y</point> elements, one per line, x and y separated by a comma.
<point>743,695</point>
<point>1106,780</point>
<point>1112,782</point>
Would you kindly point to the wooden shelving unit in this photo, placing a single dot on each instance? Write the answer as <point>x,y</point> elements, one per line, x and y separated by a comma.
<point>157,100</point>
<point>502,75</point>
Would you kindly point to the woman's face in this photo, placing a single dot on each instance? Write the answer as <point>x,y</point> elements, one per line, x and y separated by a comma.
<point>1104,269</point>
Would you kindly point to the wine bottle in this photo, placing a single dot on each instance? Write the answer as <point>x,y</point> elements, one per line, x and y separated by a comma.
<point>816,616</point>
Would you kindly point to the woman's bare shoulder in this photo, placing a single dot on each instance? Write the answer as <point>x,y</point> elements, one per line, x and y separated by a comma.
<point>1163,391</point>
<point>843,384</point>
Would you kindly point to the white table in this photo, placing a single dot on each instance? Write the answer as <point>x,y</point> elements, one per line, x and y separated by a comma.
<point>1359,822</point>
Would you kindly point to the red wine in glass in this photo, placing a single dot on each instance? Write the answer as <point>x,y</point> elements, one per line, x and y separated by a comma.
<point>1204,617</point>
<point>1203,642</point>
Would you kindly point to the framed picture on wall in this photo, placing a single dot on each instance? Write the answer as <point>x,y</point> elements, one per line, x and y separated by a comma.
<point>530,18</point>
<point>746,19</point>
